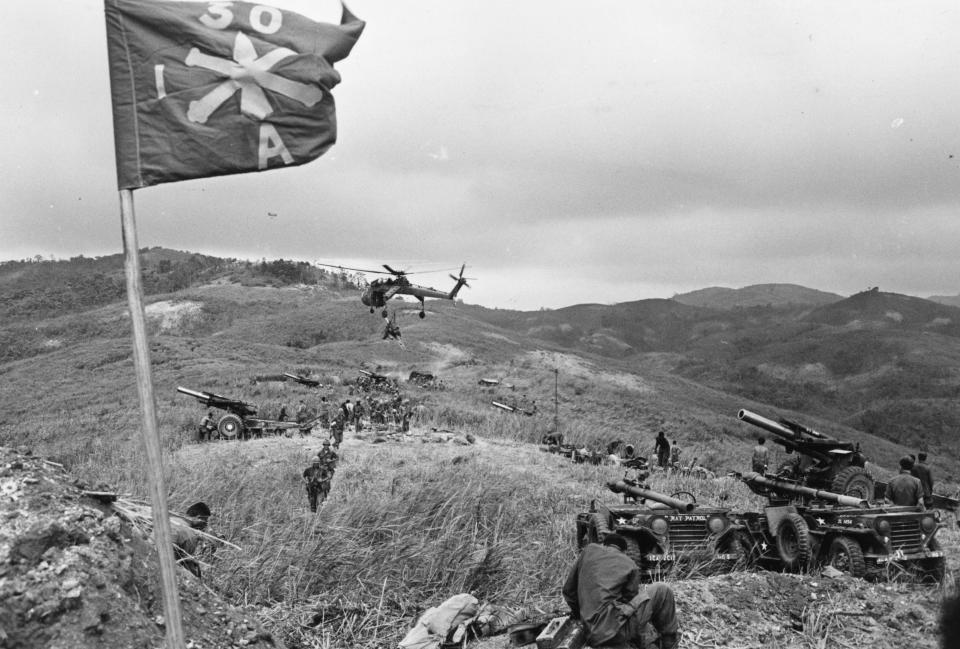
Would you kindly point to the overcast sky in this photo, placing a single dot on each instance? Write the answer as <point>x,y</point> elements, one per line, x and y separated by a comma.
<point>567,152</point>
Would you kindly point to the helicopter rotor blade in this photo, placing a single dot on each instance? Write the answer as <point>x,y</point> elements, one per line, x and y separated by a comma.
<point>394,272</point>
<point>358,270</point>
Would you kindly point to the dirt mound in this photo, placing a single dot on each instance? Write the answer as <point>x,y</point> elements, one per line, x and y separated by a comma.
<point>74,574</point>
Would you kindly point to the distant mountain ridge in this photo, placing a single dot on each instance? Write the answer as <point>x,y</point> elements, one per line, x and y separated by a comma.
<point>775,295</point>
<point>949,300</point>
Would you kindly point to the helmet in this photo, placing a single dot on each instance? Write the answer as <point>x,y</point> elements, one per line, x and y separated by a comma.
<point>316,460</point>
<point>326,442</point>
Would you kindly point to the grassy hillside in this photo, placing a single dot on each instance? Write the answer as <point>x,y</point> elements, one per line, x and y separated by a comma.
<point>410,523</point>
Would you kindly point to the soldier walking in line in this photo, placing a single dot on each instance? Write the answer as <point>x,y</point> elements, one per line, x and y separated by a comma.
<point>358,416</point>
<point>328,457</point>
<point>336,430</point>
<point>314,477</point>
<point>921,472</point>
<point>760,459</point>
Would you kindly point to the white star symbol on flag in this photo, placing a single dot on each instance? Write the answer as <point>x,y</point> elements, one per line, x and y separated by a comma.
<point>820,521</point>
<point>763,546</point>
<point>621,521</point>
<point>249,75</point>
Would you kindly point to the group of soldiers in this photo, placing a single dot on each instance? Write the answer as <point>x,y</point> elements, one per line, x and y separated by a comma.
<point>318,476</point>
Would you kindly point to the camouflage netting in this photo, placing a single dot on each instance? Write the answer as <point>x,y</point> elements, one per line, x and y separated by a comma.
<point>75,575</point>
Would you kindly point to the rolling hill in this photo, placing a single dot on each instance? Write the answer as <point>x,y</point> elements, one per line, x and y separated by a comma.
<point>776,295</point>
<point>409,524</point>
<point>874,365</point>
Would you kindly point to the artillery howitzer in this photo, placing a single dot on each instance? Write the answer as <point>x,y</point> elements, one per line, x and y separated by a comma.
<point>302,380</point>
<point>804,527</point>
<point>514,408</point>
<point>240,419</point>
<point>667,532</point>
<point>821,462</point>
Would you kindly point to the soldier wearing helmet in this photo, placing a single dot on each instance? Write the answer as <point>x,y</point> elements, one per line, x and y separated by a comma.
<point>328,457</point>
<point>316,479</point>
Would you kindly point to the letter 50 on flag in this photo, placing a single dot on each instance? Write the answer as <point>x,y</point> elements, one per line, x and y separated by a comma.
<point>213,88</point>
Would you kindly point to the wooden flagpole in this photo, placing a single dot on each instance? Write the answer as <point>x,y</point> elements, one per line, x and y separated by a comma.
<point>149,430</point>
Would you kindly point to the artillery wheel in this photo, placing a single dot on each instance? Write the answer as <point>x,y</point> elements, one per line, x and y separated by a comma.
<point>600,526</point>
<point>677,494</point>
<point>853,481</point>
<point>793,542</point>
<point>846,555</point>
<point>741,544</point>
<point>230,426</point>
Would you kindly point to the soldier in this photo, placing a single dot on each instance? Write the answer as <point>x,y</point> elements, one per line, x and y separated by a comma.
<point>603,591</point>
<point>314,477</point>
<point>328,457</point>
<point>921,471</point>
<point>337,430</point>
<point>358,416</point>
<point>905,489</point>
<point>186,541</point>
<point>662,449</point>
<point>675,455</point>
<point>207,427</point>
<point>283,412</point>
<point>303,420</point>
<point>761,456</point>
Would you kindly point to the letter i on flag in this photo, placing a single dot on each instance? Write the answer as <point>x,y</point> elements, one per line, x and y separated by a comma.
<point>214,88</point>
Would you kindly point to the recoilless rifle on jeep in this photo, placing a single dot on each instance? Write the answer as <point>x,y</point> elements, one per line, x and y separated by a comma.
<point>667,532</point>
<point>803,527</point>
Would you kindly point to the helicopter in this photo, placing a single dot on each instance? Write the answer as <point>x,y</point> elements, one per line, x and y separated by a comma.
<point>377,292</point>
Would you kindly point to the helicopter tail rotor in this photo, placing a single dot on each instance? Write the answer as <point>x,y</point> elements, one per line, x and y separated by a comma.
<point>460,280</point>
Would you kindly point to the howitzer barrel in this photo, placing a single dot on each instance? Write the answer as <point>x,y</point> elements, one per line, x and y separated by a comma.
<point>789,439</point>
<point>782,486</point>
<point>621,487</point>
<point>203,396</point>
<point>767,424</point>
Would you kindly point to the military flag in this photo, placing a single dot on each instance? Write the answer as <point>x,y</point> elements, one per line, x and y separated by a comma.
<point>214,88</point>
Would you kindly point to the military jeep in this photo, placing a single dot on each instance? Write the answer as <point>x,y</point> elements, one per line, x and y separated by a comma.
<point>667,533</point>
<point>804,527</point>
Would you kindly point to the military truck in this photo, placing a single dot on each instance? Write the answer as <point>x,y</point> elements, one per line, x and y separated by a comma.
<point>803,528</point>
<point>239,420</point>
<point>820,461</point>
<point>667,532</point>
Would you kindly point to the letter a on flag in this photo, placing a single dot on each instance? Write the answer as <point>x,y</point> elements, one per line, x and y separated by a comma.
<point>213,88</point>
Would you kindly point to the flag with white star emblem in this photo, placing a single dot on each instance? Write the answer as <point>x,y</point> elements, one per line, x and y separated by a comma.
<point>214,88</point>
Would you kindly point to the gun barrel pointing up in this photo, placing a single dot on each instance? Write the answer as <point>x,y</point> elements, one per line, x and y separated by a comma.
<point>202,396</point>
<point>767,424</point>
